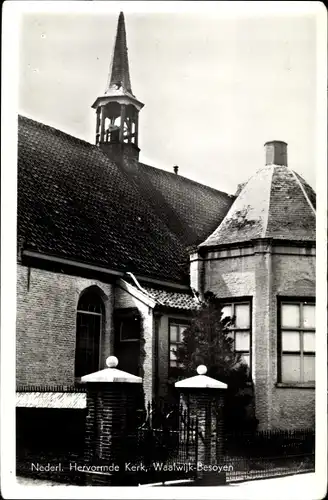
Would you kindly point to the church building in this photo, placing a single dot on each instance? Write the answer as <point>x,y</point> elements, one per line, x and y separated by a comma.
<point>110,253</point>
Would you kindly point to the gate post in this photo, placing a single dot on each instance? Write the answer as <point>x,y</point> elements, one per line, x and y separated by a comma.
<point>111,402</point>
<point>203,397</point>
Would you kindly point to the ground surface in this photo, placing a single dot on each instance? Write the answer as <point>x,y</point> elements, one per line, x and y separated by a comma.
<point>299,482</point>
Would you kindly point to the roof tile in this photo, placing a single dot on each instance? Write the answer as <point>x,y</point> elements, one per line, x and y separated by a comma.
<point>189,209</point>
<point>73,201</point>
<point>275,203</point>
<point>174,300</point>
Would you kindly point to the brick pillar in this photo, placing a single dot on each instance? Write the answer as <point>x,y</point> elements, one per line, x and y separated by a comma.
<point>204,398</point>
<point>110,422</point>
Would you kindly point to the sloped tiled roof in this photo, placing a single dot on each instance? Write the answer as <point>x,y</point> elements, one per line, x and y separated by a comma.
<point>174,300</point>
<point>72,400</point>
<point>189,209</point>
<point>275,203</point>
<point>308,190</point>
<point>74,202</point>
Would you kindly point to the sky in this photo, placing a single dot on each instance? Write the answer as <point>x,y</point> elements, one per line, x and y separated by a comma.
<point>216,85</point>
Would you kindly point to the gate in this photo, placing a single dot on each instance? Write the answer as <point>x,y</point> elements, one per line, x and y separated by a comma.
<point>166,446</point>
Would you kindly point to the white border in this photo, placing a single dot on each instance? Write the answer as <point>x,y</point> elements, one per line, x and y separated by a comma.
<point>315,485</point>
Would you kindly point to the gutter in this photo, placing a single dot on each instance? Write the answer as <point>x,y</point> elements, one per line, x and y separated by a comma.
<point>91,267</point>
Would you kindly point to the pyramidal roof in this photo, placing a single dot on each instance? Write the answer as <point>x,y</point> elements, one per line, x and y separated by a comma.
<point>119,75</point>
<point>275,203</point>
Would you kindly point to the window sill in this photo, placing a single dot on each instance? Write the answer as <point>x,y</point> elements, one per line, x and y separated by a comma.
<point>295,386</point>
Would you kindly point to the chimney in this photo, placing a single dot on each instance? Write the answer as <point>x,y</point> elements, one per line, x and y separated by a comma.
<point>276,153</point>
<point>175,168</point>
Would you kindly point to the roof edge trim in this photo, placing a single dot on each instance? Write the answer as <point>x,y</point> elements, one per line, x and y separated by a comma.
<point>137,294</point>
<point>304,192</point>
<point>92,267</point>
<point>250,243</point>
<point>265,225</point>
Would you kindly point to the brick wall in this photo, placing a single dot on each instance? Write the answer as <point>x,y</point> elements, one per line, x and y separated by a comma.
<point>248,276</point>
<point>46,325</point>
<point>118,152</point>
<point>46,329</point>
<point>263,275</point>
<point>110,408</point>
<point>196,271</point>
<point>292,275</point>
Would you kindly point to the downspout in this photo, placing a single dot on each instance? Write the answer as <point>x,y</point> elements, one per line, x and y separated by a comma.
<point>157,319</point>
<point>137,284</point>
<point>201,275</point>
<point>271,331</point>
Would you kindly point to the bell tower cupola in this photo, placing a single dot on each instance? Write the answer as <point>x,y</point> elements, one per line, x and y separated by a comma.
<point>117,110</point>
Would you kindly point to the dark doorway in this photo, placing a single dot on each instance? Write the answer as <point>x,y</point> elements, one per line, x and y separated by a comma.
<point>127,340</point>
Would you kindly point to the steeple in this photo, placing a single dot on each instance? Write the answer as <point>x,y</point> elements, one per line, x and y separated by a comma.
<point>118,109</point>
<point>119,74</point>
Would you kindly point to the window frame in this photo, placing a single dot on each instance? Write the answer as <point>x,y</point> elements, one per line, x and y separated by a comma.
<point>233,301</point>
<point>178,322</point>
<point>300,301</point>
<point>135,339</point>
<point>121,315</point>
<point>101,324</point>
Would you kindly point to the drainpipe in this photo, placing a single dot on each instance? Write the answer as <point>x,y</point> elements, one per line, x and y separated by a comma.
<point>136,282</point>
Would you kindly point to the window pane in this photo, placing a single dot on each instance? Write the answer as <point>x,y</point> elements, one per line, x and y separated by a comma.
<point>242,315</point>
<point>130,329</point>
<point>309,341</point>
<point>309,315</point>
<point>290,315</point>
<point>226,311</point>
<point>182,329</point>
<point>242,341</point>
<point>291,341</point>
<point>309,368</point>
<point>172,352</point>
<point>90,301</point>
<point>246,358</point>
<point>87,343</point>
<point>173,333</point>
<point>291,368</point>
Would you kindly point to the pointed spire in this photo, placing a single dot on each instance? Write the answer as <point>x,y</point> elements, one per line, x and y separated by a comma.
<point>119,75</point>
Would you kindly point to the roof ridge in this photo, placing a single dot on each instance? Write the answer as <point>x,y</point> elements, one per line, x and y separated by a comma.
<point>54,129</point>
<point>82,141</point>
<point>172,174</point>
<point>303,191</point>
<point>232,207</point>
<point>265,227</point>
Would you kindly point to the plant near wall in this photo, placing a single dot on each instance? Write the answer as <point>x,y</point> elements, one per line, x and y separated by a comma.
<point>208,341</point>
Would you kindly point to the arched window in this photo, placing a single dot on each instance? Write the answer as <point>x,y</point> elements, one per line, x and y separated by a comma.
<point>89,325</point>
